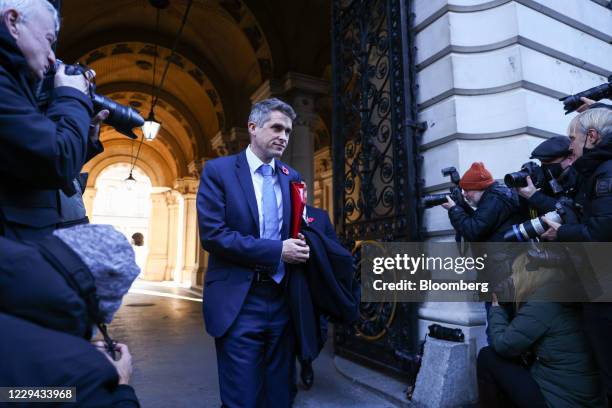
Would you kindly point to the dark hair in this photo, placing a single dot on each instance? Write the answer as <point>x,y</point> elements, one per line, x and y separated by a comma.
<point>260,112</point>
<point>138,239</point>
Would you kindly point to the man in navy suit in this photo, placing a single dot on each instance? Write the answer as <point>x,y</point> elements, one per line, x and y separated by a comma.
<point>244,211</point>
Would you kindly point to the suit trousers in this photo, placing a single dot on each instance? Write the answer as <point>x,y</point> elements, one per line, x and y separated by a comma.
<point>254,356</point>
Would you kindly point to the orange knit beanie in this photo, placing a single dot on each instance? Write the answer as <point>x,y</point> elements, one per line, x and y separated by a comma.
<point>476,178</point>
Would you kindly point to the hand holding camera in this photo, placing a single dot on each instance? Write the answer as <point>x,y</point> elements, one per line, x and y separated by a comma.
<point>122,360</point>
<point>528,190</point>
<point>76,80</point>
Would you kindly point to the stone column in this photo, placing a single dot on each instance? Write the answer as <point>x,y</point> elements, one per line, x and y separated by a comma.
<point>300,91</point>
<point>172,200</point>
<point>157,260</point>
<point>88,199</point>
<point>229,142</point>
<point>188,187</point>
<point>323,185</point>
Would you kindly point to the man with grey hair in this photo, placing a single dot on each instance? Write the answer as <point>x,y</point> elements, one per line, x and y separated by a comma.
<point>41,154</point>
<point>244,210</point>
<point>590,133</point>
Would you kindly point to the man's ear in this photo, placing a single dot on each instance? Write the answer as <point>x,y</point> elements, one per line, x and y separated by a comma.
<point>10,20</point>
<point>593,136</point>
<point>251,127</point>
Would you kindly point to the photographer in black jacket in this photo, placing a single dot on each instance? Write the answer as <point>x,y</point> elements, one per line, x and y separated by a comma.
<point>41,154</point>
<point>554,156</point>
<point>591,145</point>
<point>496,210</point>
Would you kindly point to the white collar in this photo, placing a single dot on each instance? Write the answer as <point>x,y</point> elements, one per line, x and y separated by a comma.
<point>255,162</point>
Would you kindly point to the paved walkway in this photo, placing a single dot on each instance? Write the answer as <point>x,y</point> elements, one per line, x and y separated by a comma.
<point>174,359</point>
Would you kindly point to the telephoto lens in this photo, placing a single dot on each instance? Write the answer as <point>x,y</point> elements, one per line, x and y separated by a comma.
<point>573,102</point>
<point>531,229</point>
<point>433,200</point>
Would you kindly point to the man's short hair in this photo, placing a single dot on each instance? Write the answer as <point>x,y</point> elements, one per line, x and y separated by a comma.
<point>260,112</point>
<point>25,8</point>
<point>138,239</point>
<point>599,119</point>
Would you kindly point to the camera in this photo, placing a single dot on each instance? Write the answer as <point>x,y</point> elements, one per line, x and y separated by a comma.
<point>538,177</point>
<point>546,258</point>
<point>446,333</point>
<point>433,200</point>
<point>535,227</point>
<point>121,117</point>
<point>519,178</point>
<point>573,102</point>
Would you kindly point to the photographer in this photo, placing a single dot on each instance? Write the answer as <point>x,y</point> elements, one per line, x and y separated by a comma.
<point>496,210</point>
<point>554,156</point>
<point>539,357</point>
<point>52,295</point>
<point>591,145</point>
<point>40,153</point>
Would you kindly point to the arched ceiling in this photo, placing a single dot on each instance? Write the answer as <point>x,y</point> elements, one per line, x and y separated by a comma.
<point>228,48</point>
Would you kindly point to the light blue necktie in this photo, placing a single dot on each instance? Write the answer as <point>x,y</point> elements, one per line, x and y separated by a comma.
<point>270,214</point>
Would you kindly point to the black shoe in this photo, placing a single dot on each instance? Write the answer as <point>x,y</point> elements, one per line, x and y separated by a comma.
<point>306,374</point>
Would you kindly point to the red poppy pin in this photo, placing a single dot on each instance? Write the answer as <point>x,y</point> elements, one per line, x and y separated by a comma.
<point>309,220</point>
<point>285,170</point>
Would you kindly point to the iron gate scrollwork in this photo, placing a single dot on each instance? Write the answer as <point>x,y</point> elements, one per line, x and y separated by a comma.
<point>375,162</point>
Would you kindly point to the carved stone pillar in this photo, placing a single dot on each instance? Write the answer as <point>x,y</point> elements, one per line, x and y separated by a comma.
<point>230,142</point>
<point>173,202</point>
<point>188,187</point>
<point>88,199</point>
<point>157,261</point>
<point>323,182</point>
<point>300,91</point>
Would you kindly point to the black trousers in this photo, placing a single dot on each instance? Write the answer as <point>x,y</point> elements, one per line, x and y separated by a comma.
<point>505,383</point>
<point>597,324</point>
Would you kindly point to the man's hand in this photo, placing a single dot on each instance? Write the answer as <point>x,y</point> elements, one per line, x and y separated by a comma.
<point>78,82</point>
<point>551,232</point>
<point>529,190</point>
<point>587,102</point>
<point>123,365</point>
<point>449,203</point>
<point>94,126</point>
<point>295,250</point>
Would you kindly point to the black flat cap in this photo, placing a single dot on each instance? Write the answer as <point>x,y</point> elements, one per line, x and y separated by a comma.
<point>555,147</point>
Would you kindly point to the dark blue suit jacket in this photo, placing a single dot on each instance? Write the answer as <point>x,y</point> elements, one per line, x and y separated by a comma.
<point>229,231</point>
<point>319,219</point>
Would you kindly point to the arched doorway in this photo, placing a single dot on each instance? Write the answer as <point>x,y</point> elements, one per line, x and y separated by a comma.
<point>124,205</point>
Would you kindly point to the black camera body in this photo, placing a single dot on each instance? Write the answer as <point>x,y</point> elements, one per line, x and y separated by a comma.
<point>538,177</point>
<point>432,200</point>
<point>519,178</point>
<point>573,102</point>
<point>121,117</point>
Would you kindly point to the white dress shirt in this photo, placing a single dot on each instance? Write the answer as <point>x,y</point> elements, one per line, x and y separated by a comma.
<point>254,164</point>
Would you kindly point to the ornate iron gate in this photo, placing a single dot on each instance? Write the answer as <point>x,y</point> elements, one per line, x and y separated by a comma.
<point>375,138</point>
